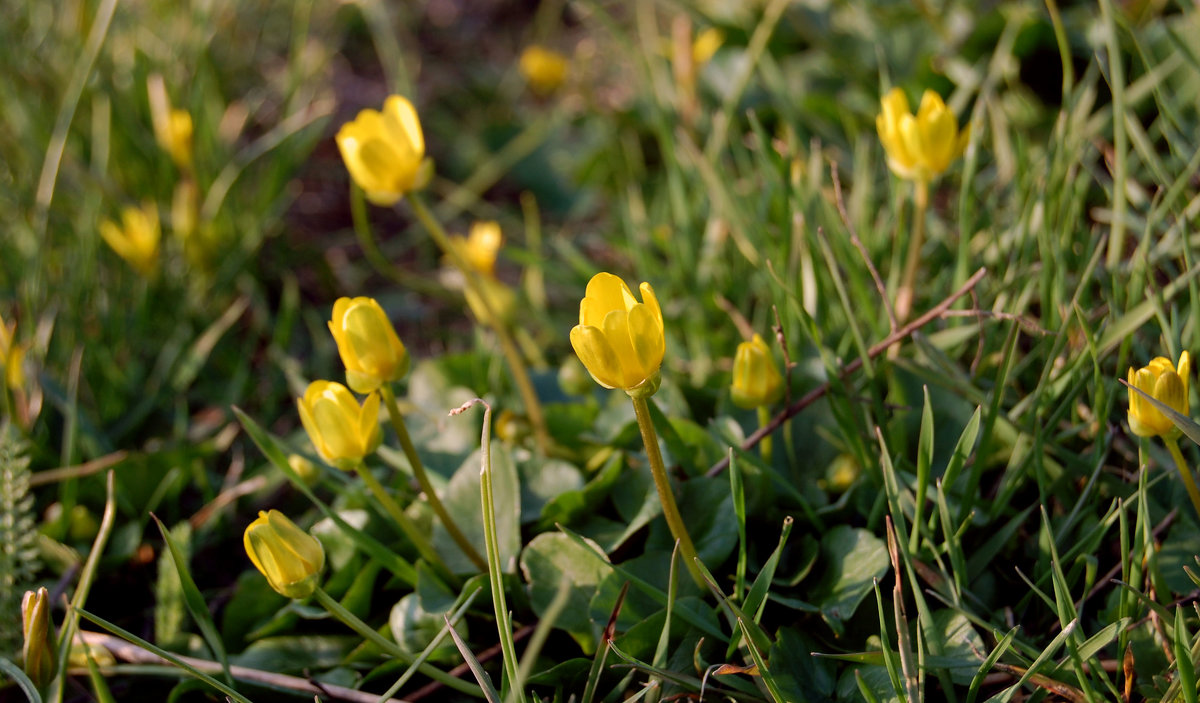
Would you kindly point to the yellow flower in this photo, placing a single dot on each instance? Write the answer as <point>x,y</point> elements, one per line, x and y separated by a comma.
<point>290,558</point>
<point>756,379</point>
<point>367,343</point>
<point>136,239</point>
<point>38,652</point>
<point>544,69</point>
<point>619,340</point>
<point>342,431</point>
<point>706,45</point>
<point>1167,384</point>
<point>384,151</point>
<point>12,356</point>
<point>174,135</point>
<point>919,147</point>
<point>480,247</point>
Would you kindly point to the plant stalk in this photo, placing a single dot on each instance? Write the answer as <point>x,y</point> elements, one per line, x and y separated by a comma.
<point>764,418</point>
<point>414,460</point>
<point>1188,481</point>
<point>406,525</point>
<point>904,297</point>
<point>665,494</point>
<point>507,346</point>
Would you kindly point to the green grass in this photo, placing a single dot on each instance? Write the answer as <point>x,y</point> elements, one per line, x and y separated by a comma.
<point>977,477</point>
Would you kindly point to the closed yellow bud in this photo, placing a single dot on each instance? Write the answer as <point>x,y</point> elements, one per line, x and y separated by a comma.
<point>38,652</point>
<point>919,147</point>
<point>136,239</point>
<point>384,151</point>
<point>706,45</point>
<point>1166,384</point>
<point>544,69</point>
<point>756,378</point>
<point>370,349</point>
<point>342,431</point>
<point>175,137</point>
<point>481,246</point>
<point>290,558</point>
<point>305,469</point>
<point>619,340</point>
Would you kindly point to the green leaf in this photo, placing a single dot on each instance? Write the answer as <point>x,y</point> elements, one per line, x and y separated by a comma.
<point>415,628</point>
<point>14,672</point>
<point>852,559</point>
<point>552,558</point>
<point>542,481</point>
<point>958,642</point>
<point>463,502</point>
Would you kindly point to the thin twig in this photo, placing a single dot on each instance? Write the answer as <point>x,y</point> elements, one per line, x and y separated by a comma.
<point>132,653</point>
<point>739,320</point>
<point>781,338</point>
<point>94,466</point>
<point>817,393</point>
<point>893,323</point>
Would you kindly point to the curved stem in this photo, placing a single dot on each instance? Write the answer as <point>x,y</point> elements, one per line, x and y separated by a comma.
<point>1184,472</point>
<point>665,494</point>
<point>368,633</point>
<point>764,418</point>
<point>904,297</point>
<point>507,346</point>
<point>414,460</point>
<point>406,525</point>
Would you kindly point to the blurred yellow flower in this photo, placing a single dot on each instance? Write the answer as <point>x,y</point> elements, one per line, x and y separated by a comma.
<point>370,349</point>
<point>544,69</point>
<point>38,653</point>
<point>12,355</point>
<point>342,431</point>
<point>290,558</point>
<point>384,151</point>
<point>1167,384</point>
<point>137,238</point>
<point>919,147</point>
<point>175,137</point>
<point>756,378</point>
<point>706,44</point>
<point>481,246</point>
<point>619,340</point>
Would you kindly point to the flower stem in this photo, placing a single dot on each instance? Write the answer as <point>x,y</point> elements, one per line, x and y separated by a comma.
<point>406,525</point>
<point>507,346</point>
<point>1188,481</point>
<point>764,418</point>
<point>663,484</point>
<point>368,633</point>
<point>414,460</point>
<point>495,573</point>
<point>904,297</point>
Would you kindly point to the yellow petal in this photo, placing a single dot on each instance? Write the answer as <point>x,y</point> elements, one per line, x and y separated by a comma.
<point>646,334</point>
<point>400,120</point>
<point>597,355</point>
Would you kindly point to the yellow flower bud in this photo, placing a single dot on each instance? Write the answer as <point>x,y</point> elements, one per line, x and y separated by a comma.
<point>12,356</point>
<point>384,151</point>
<point>38,652</point>
<point>544,69</point>
<point>136,239</point>
<point>919,147</point>
<point>305,469</point>
<point>342,431</point>
<point>480,247</point>
<point>619,340</point>
<point>1166,384</point>
<point>370,349</point>
<point>706,45</point>
<point>175,137</point>
<point>290,558</point>
<point>756,378</point>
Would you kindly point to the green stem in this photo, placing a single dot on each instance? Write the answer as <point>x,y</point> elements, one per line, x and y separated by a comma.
<point>1188,481</point>
<point>406,525</point>
<point>414,460</point>
<point>904,297</point>
<point>764,418</point>
<point>503,618</point>
<point>665,494</point>
<point>368,633</point>
<point>509,348</point>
